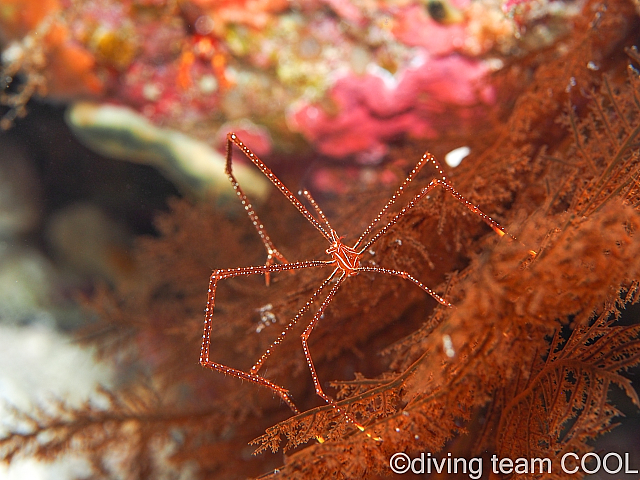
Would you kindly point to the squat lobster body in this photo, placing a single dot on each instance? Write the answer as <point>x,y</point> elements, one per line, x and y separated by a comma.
<point>345,263</point>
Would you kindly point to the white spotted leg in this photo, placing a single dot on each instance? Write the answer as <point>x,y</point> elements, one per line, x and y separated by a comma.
<point>252,376</point>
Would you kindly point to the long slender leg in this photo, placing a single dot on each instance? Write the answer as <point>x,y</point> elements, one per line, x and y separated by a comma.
<point>282,392</point>
<point>218,275</point>
<point>304,337</point>
<point>290,325</point>
<point>406,276</point>
<point>316,207</point>
<point>314,375</point>
<point>426,158</point>
<point>423,193</point>
<point>232,138</point>
<point>273,254</point>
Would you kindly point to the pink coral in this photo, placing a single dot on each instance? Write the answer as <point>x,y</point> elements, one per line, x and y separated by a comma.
<point>413,26</point>
<point>373,110</point>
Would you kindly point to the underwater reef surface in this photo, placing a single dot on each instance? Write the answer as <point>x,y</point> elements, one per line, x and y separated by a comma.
<point>345,77</point>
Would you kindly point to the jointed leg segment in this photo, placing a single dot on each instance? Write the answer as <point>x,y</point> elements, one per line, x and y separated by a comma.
<point>406,276</point>
<point>423,194</point>
<point>256,367</point>
<point>273,254</point>
<point>232,138</point>
<point>252,376</point>
<point>307,332</point>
